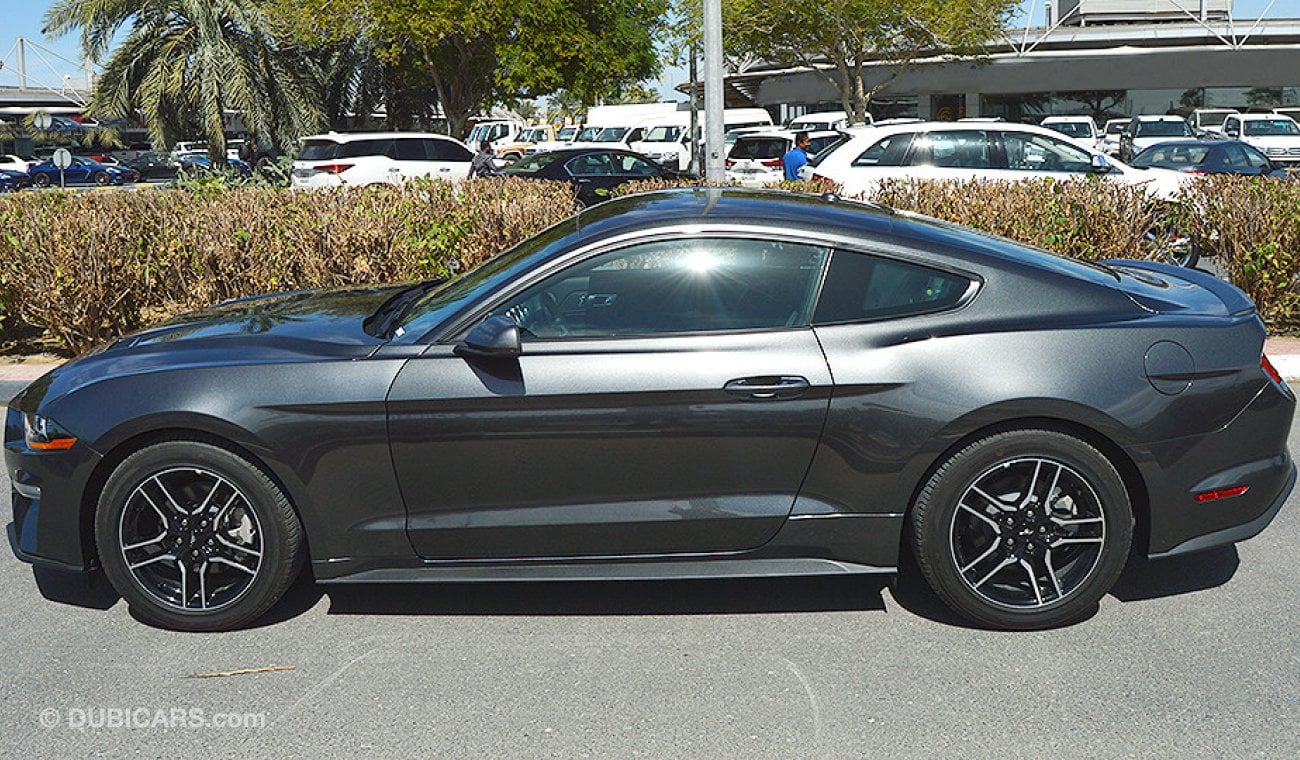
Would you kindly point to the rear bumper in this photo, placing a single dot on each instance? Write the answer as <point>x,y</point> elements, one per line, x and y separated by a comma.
<point>1237,532</point>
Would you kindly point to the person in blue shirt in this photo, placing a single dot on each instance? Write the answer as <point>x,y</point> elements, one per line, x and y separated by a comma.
<point>797,158</point>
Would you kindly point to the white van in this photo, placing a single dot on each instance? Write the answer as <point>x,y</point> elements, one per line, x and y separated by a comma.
<point>821,121</point>
<point>666,140</point>
<point>498,132</point>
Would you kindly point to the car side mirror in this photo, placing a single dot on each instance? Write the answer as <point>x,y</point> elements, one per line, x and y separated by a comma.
<point>493,338</point>
<point>1100,165</point>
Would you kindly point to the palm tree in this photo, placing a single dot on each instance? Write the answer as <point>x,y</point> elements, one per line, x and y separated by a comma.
<point>184,62</point>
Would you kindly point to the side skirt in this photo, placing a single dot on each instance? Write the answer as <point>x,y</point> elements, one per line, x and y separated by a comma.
<point>601,571</point>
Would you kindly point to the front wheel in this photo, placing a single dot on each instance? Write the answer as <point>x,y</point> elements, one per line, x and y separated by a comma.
<point>102,178</point>
<point>196,538</point>
<point>41,180</point>
<point>1023,530</point>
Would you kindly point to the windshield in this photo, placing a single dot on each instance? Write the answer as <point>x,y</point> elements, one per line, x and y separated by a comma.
<point>566,134</point>
<point>1272,127</point>
<point>588,134</point>
<point>1163,129</point>
<point>475,136</point>
<point>663,134</point>
<point>1212,118</point>
<point>1115,127</point>
<point>1070,128</point>
<point>444,302</point>
<point>611,134</point>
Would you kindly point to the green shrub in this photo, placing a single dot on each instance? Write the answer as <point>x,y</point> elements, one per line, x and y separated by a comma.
<point>88,267</point>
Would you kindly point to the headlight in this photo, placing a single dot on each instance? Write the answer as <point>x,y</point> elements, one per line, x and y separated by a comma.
<point>44,434</point>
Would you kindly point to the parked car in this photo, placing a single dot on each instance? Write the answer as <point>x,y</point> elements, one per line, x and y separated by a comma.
<point>152,166</point>
<point>1208,122</point>
<point>756,158</point>
<point>527,138</point>
<point>1276,135</point>
<point>1110,135</point>
<point>694,383</point>
<point>1208,157</point>
<point>1081,129</point>
<point>970,151</point>
<point>593,172</point>
<point>199,164</point>
<point>188,147</point>
<point>13,163</point>
<point>11,181</point>
<point>823,121</point>
<point>378,158</point>
<point>82,171</point>
<point>1144,131</point>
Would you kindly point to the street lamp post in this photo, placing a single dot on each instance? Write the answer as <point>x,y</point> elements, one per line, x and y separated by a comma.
<point>713,101</point>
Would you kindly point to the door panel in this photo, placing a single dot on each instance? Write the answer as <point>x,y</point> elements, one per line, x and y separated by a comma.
<point>590,447</point>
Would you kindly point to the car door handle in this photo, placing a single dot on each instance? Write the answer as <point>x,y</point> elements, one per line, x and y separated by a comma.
<point>767,387</point>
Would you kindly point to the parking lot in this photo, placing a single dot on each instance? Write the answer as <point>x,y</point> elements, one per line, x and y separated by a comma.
<point>1195,657</point>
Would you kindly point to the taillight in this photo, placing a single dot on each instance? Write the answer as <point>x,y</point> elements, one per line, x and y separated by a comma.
<point>1195,171</point>
<point>333,168</point>
<point>1274,375</point>
<point>772,163</point>
<point>730,163</point>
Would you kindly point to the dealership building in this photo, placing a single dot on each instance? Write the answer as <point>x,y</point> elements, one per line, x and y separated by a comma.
<point>1101,58</point>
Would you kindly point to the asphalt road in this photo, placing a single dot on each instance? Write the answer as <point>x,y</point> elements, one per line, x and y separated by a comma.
<point>1196,657</point>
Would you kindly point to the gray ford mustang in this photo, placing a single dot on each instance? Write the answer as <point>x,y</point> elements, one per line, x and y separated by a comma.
<point>694,383</point>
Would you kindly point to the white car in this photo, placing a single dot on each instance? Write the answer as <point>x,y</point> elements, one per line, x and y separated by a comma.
<point>1275,135</point>
<point>822,121</point>
<point>1144,131</point>
<point>964,152</point>
<point>756,159</point>
<point>1110,135</point>
<point>1210,120</point>
<point>12,163</point>
<point>378,158</point>
<point>1081,129</point>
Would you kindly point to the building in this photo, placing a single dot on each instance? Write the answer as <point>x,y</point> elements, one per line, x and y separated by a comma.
<point>1100,58</point>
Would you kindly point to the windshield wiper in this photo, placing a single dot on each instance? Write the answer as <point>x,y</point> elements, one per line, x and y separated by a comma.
<point>390,312</point>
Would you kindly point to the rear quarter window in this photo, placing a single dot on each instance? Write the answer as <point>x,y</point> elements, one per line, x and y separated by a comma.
<point>860,288</point>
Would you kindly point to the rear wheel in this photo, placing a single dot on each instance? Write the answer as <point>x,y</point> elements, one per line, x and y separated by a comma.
<point>41,180</point>
<point>102,178</point>
<point>195,538</point>
<point>1170,245</point>
<point>1023,530</point>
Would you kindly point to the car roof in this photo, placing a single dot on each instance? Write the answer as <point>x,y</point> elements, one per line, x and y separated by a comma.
<point>878,131</point>
<point>1062,119</point>
<point>1261,116</point>
<point>788,133</point>
<point>1159,117</point>
<point>343,137</point>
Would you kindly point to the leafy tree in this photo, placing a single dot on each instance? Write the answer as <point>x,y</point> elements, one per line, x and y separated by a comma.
<point>480,51</point>
<point>184,62</point>
<point>851,34</point>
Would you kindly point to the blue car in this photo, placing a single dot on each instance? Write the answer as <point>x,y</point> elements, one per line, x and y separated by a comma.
<point>83,171</point>
<point>11,181</point>
<point>198,163</point>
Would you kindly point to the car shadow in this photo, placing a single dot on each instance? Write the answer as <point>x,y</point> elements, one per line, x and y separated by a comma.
<point>669,597</point>
<point>1154,579</point>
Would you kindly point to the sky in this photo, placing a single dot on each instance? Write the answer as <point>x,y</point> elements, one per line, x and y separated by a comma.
<point>22,18</point>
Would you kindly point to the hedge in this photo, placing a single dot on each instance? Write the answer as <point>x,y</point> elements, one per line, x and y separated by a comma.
<point>83,268</point>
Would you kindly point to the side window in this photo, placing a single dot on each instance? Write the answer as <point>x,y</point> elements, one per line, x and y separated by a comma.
<point>1040,153</point>
<point>360,148</point>
<point>446,150</point>
<point>860,288</point>
<point>675,286</point>
<point>958,149</point>
<point>888,152</point>
<point>1234,156</point>
<point>409,150</point>
<point>590,165</point>
<point>1254,158</point>
<point>633,166</point>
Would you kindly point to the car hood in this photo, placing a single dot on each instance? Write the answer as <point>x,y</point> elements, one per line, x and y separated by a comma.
<point>298,326</point>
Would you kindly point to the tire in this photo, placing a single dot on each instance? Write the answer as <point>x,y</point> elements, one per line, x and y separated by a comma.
<point>181,514</point>
<point>102,179</point>
<point>41,180</point>
<point>978,532</point>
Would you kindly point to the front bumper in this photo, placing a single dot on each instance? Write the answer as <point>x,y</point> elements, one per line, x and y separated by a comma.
<point>49,526</point>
